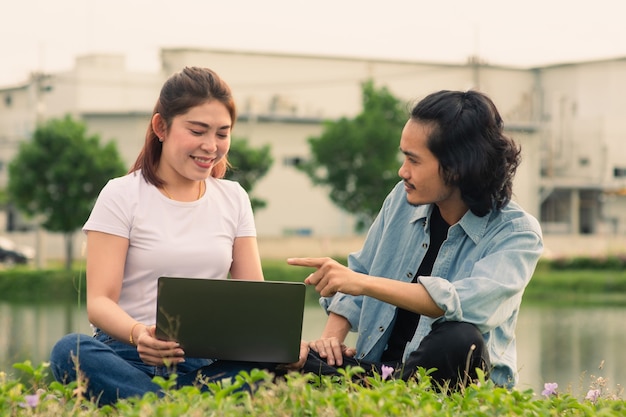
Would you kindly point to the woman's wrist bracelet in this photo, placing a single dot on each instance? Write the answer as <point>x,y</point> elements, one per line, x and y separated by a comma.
<point>130,338</point>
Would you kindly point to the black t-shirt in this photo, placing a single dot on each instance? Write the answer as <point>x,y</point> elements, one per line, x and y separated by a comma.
<point>406,321</point>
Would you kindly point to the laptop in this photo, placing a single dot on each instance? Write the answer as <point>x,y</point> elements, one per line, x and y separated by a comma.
<point>229,319</point>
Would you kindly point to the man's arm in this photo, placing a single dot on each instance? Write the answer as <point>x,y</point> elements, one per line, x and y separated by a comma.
<point>331,344</point>
<point>332,277</point>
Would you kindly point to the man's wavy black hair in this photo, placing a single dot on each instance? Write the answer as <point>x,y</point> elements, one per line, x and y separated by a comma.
<point>468,140</point>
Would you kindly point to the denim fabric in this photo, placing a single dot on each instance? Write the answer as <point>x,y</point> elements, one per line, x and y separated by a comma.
<point>478,277</point>
<point>114,370</point>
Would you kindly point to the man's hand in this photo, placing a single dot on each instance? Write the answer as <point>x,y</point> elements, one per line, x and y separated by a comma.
<point>332,350</point>
<point>331,276</point>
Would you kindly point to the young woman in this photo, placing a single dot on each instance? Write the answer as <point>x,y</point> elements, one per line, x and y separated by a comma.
<point>173,215</point>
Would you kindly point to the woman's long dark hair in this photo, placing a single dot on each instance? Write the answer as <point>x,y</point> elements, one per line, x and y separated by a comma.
<point>468,140</point>
<point>188,88</point>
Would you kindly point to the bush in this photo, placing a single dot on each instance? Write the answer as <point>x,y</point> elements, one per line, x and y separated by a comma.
<point>44,285</point>
<point>613,262</point>
<point>581,276</point>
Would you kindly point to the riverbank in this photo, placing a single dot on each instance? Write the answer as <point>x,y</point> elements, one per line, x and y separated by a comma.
<point>571,280</point>
<point>588,280</point>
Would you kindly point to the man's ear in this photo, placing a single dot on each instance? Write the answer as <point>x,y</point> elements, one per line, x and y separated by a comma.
<point>159,126</point>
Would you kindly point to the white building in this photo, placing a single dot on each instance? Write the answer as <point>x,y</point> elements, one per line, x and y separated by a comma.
<point>566,117</point>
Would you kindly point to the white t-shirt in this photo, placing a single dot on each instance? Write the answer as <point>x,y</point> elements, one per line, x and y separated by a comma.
<point>170,238</point>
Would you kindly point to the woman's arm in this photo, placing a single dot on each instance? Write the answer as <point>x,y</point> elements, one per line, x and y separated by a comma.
<point>246,260</point>
<point>106,257</point>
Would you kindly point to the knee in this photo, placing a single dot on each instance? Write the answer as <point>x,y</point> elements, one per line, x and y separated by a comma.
<point>465,336</point>
<point>454,349</point>
<point>65,347</point>
<point>64,354</point>
<point>457,342</point>
<point>473,336</point>
<point>467,344</point>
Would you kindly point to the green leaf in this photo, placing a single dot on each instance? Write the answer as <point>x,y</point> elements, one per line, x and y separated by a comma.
<point>58,174</point>
<point>358,158</point>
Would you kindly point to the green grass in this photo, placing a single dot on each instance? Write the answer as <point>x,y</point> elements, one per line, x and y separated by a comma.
<point>351,394</point>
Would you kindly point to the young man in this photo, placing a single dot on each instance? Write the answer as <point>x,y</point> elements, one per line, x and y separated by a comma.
<point>439,280</point>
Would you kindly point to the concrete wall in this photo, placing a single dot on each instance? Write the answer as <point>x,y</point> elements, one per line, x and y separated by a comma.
<point>568,119</point>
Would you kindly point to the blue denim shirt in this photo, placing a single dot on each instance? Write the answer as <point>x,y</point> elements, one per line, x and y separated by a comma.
<point>478,277</point>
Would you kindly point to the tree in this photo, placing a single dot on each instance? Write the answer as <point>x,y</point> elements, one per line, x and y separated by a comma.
<point>248,165</point>
<point>358,158</point>
<point>58,174</point>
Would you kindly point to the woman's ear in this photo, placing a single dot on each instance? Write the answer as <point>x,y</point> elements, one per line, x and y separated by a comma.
<point>158,126</point>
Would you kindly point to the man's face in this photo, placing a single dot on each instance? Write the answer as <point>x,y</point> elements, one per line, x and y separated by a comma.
<point>420,169</point>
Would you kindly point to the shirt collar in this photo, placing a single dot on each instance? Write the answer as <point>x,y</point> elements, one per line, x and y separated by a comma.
<point>420,212</point>
<point>473,226</point>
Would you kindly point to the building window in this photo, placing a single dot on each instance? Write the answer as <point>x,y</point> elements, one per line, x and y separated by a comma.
<point>298,231</point>
<point>293,161</point>
<point>8,100</point>
<point>619,172</point>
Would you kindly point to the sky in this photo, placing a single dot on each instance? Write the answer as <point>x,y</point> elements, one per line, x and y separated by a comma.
<point>47,35</point>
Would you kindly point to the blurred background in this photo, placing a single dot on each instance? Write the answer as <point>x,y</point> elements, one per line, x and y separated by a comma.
<point>556,70</point>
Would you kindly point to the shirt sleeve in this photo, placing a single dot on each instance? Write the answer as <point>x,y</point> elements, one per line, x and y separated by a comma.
<point>246,226</point>
<point>492,291</point>
<point>111,212</point>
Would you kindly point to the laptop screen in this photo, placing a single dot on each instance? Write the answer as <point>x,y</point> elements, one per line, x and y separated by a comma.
<point>228,319</point>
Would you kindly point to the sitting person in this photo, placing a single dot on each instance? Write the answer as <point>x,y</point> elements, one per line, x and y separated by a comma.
<point>171,215</point>
<point>439,280</point>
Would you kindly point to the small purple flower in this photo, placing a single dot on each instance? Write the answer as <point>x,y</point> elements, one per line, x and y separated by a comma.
<point>386,371</point>
<point>549,389</point>
<point>593,395</point>
<point>31,401</point>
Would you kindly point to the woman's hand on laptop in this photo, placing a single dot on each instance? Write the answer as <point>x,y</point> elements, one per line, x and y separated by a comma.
<point>153,351</point>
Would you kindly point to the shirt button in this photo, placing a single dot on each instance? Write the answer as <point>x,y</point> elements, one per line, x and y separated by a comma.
<point>409,275</point>
<point>381,329</point>
<point>424,245</point>
<point>362,355</point>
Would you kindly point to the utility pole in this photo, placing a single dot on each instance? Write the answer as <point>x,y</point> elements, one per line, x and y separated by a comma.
<point>475,61</point>
<point>40,87</point>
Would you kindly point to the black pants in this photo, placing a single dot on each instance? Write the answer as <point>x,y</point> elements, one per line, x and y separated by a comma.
<point>455,349</point>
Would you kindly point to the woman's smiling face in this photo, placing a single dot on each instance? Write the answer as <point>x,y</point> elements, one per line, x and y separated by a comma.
<point>196,141</point>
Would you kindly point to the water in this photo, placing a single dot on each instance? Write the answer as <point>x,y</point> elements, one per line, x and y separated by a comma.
<point>563,345</point>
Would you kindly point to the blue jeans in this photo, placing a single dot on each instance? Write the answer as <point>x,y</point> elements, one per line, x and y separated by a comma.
<point>114,370</point>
